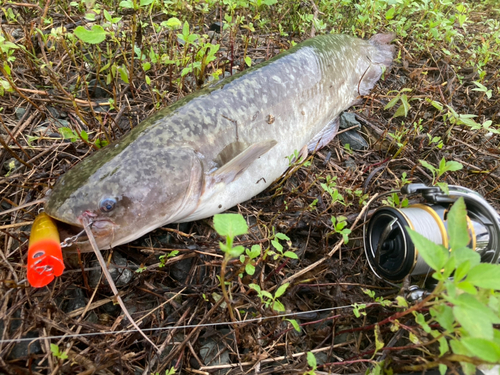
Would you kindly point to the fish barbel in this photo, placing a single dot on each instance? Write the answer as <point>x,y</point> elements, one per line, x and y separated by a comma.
<point>221,145</point>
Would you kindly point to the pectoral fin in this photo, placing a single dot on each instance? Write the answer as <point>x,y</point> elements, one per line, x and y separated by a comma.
<point>237,164</point>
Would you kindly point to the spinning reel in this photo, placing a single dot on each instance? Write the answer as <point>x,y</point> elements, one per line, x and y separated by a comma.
<point>390,251</point>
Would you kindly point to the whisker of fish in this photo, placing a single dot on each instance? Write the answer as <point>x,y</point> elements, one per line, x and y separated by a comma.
<point>86,226</point>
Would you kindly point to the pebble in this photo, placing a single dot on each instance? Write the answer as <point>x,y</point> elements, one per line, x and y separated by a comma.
<point>354,139</point>
<point>208,353</point>
<point>20,111</point>
<point>348,120</point>
<point>121,275</point>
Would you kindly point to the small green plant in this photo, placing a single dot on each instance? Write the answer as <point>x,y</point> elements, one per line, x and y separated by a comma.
<point>466,307</point>
<point>57,353</point>
<point>163,258</point>
<point>404,180</point>
<point>394,201</point>
<point>229,226</point>
<point>268,300</point>
<point>357,309</point>
<point>280,253</point>
<point>404,108</point>
<point>339,226</point>
<point>249,260</point>
<point>437,173</point>
<point>311,362</point>
<point>380,299</point>
<point>330,187</point>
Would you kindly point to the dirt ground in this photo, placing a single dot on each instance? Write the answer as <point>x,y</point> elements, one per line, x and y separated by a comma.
<point>178,298</point>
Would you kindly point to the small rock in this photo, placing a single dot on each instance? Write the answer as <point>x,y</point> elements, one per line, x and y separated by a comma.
<point>354,139</point>
<point>216,26</point>
<point>350,164</point>
<point>96,90</point>
<point>348,120</point>
<point>61,123</point>
<point>76,299</point>
<point>120,273</point>
<point>20,111</point>
<point>180,270</point>
<point>54,112</point>
<point>40,130</point>
<point>210,357</point>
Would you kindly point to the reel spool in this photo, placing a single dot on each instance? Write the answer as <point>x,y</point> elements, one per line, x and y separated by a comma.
<point>390,251</point>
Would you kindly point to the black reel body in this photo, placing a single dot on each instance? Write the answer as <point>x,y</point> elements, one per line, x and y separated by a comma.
<point>390,251</point>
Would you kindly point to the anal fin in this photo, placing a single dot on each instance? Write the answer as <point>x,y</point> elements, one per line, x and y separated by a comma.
<point>324,137</point>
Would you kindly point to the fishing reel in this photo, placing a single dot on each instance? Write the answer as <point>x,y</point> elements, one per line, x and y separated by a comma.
<point>390,251</point>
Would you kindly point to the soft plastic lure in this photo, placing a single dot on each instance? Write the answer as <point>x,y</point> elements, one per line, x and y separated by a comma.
<point>45,260</point>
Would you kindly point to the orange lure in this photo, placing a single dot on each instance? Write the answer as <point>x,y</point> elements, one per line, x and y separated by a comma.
<point>45,259</point>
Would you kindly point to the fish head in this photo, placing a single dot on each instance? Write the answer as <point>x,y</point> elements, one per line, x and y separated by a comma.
<point>126,194</point>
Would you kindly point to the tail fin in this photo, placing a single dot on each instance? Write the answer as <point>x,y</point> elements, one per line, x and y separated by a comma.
<point>385,49</point>
<point>380,57</point>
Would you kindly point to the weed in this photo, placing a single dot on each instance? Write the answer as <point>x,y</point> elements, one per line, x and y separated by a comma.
<point>437,173</point>
<point>57,353</point>
<point>163,258</point>
<point>268,300</point>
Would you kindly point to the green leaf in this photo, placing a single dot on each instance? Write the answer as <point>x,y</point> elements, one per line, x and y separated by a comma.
<point>127,4</point>
<point>68,133</point>
<point>231,225</point>
<point>465,254</point>
<point>173,23</point>
<point>123,74</point>
<point>282,236</point>
<point>475,323</point>
<point>444,316</point>
<point>277,245</point>
<point>311,360</point>
<point>291,255</point>
<point>250,269</point>
<point>94,36</point>
<point>267,294</point>
<point>453,166</point>
<point>145,2</point>
<point>392,103</point>
<point>278,306</point>
<point>467,287</point>
<point>389,15</point>
<point>255,287</point>
<point>254,252</point>
<point>434,255</point>
<point>294,324</point>
<point>281,290</point>
<point>84,135</point>
<point>462,269</point>
<point>485,275</point>
<point>248,61</point>
<point>236,251</point>
<point>443,346</point>
<point>457,225</point>
<point>428,166</point>
<point>484,349</point>
<point>420,319</point>
<point>442,369</point>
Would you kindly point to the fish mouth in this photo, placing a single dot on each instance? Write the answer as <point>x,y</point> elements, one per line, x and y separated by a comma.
<point>75,238</point>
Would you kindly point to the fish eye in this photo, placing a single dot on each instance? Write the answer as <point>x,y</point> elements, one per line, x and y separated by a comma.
<point>107,204</point>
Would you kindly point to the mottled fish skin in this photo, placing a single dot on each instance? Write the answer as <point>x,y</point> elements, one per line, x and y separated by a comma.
<point>179,164</point>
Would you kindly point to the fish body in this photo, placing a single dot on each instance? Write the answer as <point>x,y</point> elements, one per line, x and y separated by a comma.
<point>221,145</point>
